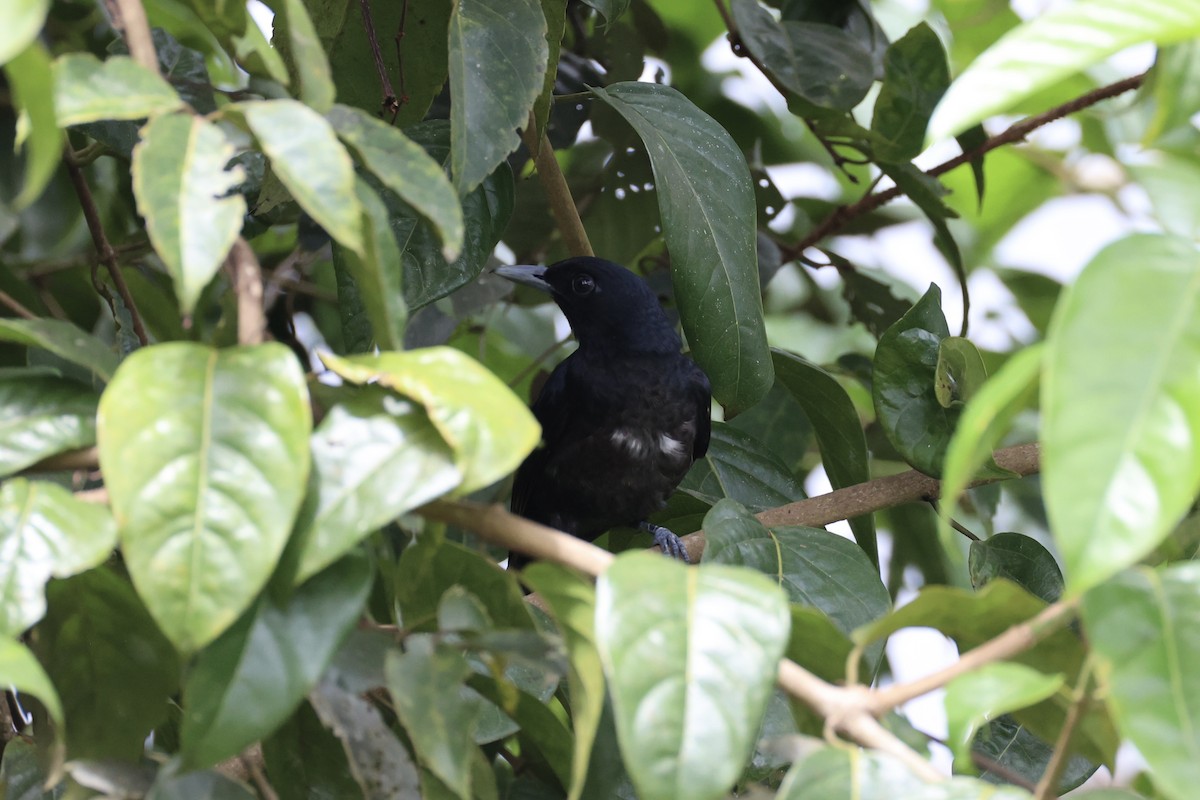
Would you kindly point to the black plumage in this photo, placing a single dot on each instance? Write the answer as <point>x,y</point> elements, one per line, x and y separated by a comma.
<point>623,417</point>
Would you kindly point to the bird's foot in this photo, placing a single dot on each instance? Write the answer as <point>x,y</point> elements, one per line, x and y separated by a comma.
<point>671,544</point>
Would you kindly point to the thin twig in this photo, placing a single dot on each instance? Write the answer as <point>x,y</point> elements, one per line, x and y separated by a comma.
<point>248,286</point>
<point>1016,639</point>
<point>1047,786</point>
<point>558,194</point>
<point>1014,133</point>
<point>252,760</point>
<point>87,458</point>
<point>958,526</point>
<point>389,104</point>
<point>15,306</point>
<point>136,30</point>
<point>107,255</point>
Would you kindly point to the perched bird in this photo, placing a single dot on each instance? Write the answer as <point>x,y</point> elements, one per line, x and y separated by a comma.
<point>623,417</point>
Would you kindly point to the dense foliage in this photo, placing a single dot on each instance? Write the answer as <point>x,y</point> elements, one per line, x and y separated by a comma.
<point>259,394</point>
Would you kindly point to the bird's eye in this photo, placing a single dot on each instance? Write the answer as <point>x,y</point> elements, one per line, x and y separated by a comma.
<point>583,285</point>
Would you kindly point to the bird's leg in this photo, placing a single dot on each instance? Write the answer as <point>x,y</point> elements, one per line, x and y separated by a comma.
<point>671,544</point>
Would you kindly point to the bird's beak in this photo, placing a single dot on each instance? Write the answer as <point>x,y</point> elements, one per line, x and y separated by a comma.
<point>528,275</point>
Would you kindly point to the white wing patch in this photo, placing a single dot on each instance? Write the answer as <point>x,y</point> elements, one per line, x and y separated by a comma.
<point>671,447</point>
<point>634,444</point>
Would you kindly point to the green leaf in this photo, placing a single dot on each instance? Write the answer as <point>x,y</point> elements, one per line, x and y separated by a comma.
<point>212,784</point>
<point>743,469</point>
<point>611,10</point>
<point>1120,461</point>
<point>183,192</point>
<point>304,759</point>
<point>706,199</point>
<point>814,567</point>
<point>375,457</point>
<point>63,340</point>
<point>497,62</point>
<point>268,662</point>
<point>1145,628</point>
<point>22,775</point>
<point>309,160</point>
<point>1054,46</point>
<point>571,600</point>
<point>696,651</point>
<point>88,90</point>
<point>926,191</point>
<point>1011,745</point>
<point>836,773</point>
<point>429,568</point>
<point>43,415</point>
<point>205,455</point>
<point>993,689</point>
<point>488,427</point>
<point>115,670</point>
<point>915,78</point>
<point>426,687</point>
<point>1173,86</point>
<point>984,422</point>
<point>406,168</point>
<point>20,670</point>
<point>379,763</point>
<point>44,532</point>
<point>1167,178</point>
<point>376,270</point>
<point>839,432</point>
<point>309,65</point>
<point>821,64</point>
<point>30,78</point>
<point>23,21</point>
<point>903,385</point>
<point>1018,558</point>
<point>543,734</point>
<point>555,13</point>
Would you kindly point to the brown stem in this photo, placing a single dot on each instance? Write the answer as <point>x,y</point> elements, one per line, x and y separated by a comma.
<point>248,286</point>
<point>15,306</point>
<point>1046,787</point>
<point>132,22</point>
<point>87,458</point>
<point>107,255</point>
<point>558,194</point>
<point>1014,133</point>
<point>389,104</point>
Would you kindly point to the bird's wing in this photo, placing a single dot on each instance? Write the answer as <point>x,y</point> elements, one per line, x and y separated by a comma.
<point>551,409</point>
<point>702,391</point>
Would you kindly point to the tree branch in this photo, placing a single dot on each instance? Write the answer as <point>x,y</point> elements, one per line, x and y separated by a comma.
<point>1014,133</point>
<point>558,193</point>
<point>107,255</point>
<point>248,286</point>
<point>15,306</point>
<point>1046,787</point>
<point>130,18</point>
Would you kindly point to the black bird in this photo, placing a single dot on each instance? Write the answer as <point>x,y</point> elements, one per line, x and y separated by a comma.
<point>623,417</point>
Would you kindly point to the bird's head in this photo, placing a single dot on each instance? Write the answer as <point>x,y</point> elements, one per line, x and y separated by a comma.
<point>609,308</point>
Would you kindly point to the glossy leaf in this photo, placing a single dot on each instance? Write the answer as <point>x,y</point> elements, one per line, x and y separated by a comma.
<point>1018,558</point>
<point>183,193</point>
<point>378,762</point>
<point>488,427</point>
<point>88,90</point>
<point>304,758</point>
<point>1121,459</point>
<point>429,568</point>
<point>823,65</point>
<point>44,532</point>
<point>63,340</point>
<point>376,271</point>
<point>903,385</point>
<point>41,415</point>
<point>425,683</point>
<point>997,688</point>
<point>706,199</point>
<point>497,62</point>
<point>695,650</point>
<point>742,469</point>
<point>406,168</point>
<point>268,662</point>
<point>1175,91</point>
<point>1011,745</point>
<point>375,457</point>
<point>30,78</point>
<point>985,421</point>
<point>835,773</point>
<point>115,671</point>
<point>309,160</point>
<point>310,67</point>
<point>1145,628</point>
<point>959,373</point>
<point>813,566</point>
<point>428,275</point>
<point>205,454</point>
<point>1053,46</point>
<point>1167,177</point>
<point>839,432</point>
<point>24,22</point>
<point>571,600</point>
<point>915,78</point>
<point>20,670</point>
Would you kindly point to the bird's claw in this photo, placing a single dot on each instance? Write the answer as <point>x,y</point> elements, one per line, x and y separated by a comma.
<point>671,544</point>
